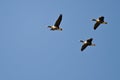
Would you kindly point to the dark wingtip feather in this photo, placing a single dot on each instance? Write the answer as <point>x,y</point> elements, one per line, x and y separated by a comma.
<point>101,16</point>
<point>91,38</point>
<point>94,28</point>
<point>60,15</point>
<point>82,49</point>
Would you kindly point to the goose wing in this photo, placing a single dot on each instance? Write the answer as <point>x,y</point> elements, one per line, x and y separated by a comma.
<point>89,40</point>
<point>101,18</point>
<point>58,21</point>
<point>83,47</point>
<point>96,25</point>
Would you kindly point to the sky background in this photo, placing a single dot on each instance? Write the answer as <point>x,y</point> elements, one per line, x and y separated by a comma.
<point>30,51</point>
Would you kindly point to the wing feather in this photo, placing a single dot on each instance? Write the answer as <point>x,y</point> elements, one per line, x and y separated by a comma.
<point>83,47</point>
<point>58,21</point>
<point>89,40</point>
<point>96,25</point>
<point>101,18</point>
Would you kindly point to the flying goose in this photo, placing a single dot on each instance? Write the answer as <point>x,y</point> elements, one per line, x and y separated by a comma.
<point>56,26</point>
<point>99,21</point>
<point>86,43</point>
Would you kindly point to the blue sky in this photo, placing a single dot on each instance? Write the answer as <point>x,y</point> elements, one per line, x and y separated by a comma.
<point>30,51</point>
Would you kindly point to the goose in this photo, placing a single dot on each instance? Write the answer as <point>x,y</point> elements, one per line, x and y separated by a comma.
<point>56,26</point>
<point>99,21</point>
<point>86,43</point>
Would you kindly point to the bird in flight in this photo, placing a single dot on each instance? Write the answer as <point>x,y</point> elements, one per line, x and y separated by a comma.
<point>56,26</point>
<point>99,21</point>
<point>86,43</point>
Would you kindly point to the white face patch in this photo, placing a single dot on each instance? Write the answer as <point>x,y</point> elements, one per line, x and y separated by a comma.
<point>53,27</point>
<point>97,20</point>
<point>85,42</point>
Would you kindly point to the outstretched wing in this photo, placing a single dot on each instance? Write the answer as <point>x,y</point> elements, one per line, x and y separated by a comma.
<point>89,40</point>
<point>58,21</point>
<point>83,47</point>
<point>96,25</point>
<point>101,18</point>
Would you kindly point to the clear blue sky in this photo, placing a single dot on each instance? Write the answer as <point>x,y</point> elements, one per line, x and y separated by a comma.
<point>30,51</point>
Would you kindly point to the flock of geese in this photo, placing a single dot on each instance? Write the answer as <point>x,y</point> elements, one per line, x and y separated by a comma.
<point>87,42</point>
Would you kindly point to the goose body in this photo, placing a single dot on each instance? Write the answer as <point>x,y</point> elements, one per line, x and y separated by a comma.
<point>86,43</point>
<point>56,26</point>
<point>99,21</point>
